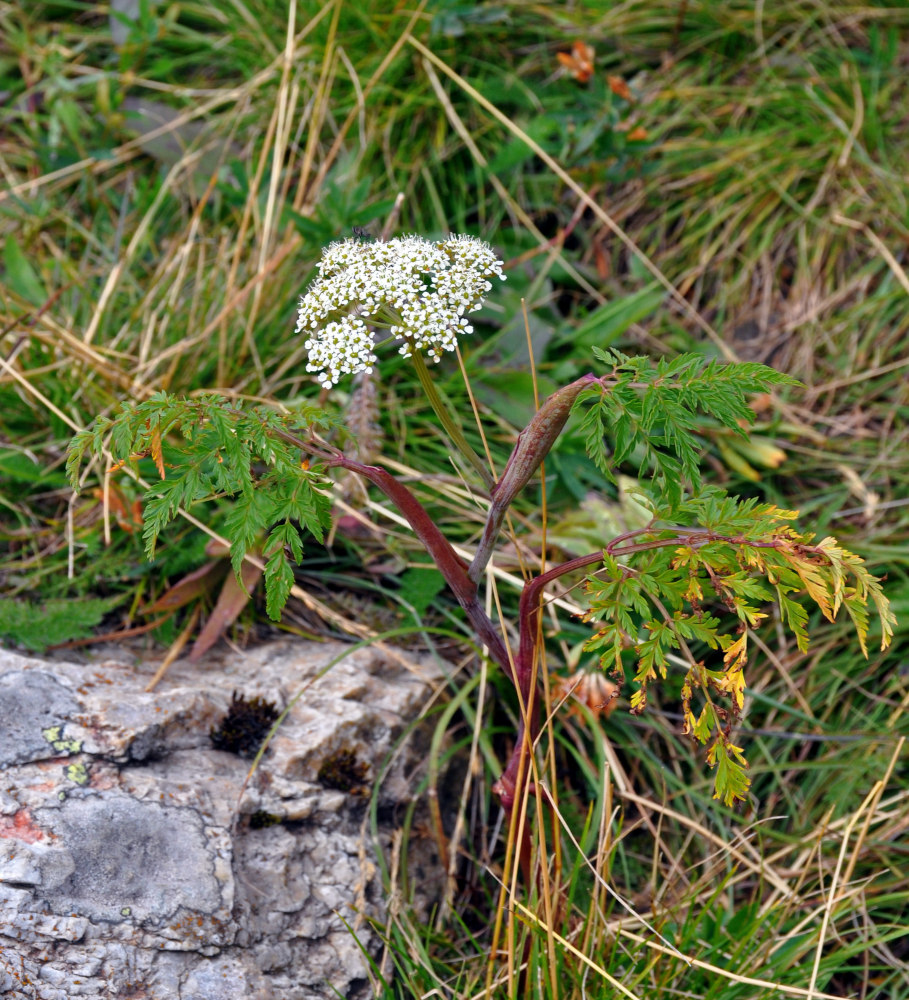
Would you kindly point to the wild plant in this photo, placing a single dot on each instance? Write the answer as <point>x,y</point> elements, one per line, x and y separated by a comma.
<point>689,585</point>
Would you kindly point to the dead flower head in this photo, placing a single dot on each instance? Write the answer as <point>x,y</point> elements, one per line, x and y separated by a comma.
<point>594,690</point>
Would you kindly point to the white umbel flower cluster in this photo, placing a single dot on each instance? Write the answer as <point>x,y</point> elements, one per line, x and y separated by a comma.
<point>415,289</point>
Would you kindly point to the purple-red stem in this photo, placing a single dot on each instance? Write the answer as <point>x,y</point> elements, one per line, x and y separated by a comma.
<point>463,581</point>
<point>515,778</point>
<point>437,545</point>
<point>529,609</point>
<point>531,448</point>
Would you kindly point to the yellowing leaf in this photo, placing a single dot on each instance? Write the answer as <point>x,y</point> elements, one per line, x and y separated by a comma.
<point>735,685</point>
<point>157,454</point>
<point>694,591</point>
<point>737,651</point>
<point>835,554</point>
<point>685,555</point>
<point>639,701</point>
<point>703,726</point>
<point>733,680</point>
<point>761,451</point>
<point>812,577</point>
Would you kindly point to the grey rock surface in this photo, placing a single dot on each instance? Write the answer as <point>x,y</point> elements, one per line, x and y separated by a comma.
<point>133,857</point>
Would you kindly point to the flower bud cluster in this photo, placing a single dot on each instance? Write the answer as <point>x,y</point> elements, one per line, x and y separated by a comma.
<point>417,289</point>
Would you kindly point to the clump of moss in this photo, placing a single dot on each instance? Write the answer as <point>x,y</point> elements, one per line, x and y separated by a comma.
<point>261,819</point>
<point>246,724</point>
<point>343,771</point>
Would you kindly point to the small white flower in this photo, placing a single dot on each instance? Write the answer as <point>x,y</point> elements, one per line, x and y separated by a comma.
<point>417,289</point>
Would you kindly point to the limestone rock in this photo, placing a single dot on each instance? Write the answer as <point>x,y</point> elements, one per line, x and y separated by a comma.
<point>138,861</point>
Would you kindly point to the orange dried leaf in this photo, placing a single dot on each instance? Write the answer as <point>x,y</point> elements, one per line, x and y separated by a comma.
<point>117,466</point>
<point>232,600</point>
<point>129,516</point>
<point>578,62</point>
<point>157,454</point>
<point>586,688</point>
<point>189,587</point>
<point>638,134</point>
<point>618,86</point>
<point>603,265</point>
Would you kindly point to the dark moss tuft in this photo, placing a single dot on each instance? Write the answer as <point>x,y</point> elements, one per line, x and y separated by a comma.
<point>246,724</point>
<point>343,771</point>
<point>261,819</point>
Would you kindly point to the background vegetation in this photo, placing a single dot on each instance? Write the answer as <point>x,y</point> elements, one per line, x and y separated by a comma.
<point>726,178</point>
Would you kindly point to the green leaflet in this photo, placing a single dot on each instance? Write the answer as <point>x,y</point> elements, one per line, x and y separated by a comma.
<point>658,408</point>
<point>209,448</point>
<point>687,595</point>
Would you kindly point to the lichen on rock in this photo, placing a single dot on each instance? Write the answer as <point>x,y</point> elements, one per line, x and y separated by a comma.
<point>166,870</point>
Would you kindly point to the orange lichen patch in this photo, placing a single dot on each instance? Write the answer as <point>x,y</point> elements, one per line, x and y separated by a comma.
<point>102,779</point>
<point>51,764</point>
<point>20,826</point>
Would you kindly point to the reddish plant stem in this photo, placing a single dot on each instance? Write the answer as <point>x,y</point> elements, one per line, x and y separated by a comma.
<point>531,448</point>
<point>437,545</point>
<point>450,565</point>
<point>514,783</point>
<point>529,609</point>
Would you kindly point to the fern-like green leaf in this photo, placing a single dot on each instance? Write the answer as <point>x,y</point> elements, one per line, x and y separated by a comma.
<point>36,626</point>
<point>731,781</point>
<point>279,578</point>
<point>658,409</point>
<point>796,617</point>
<point>250,515</point>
